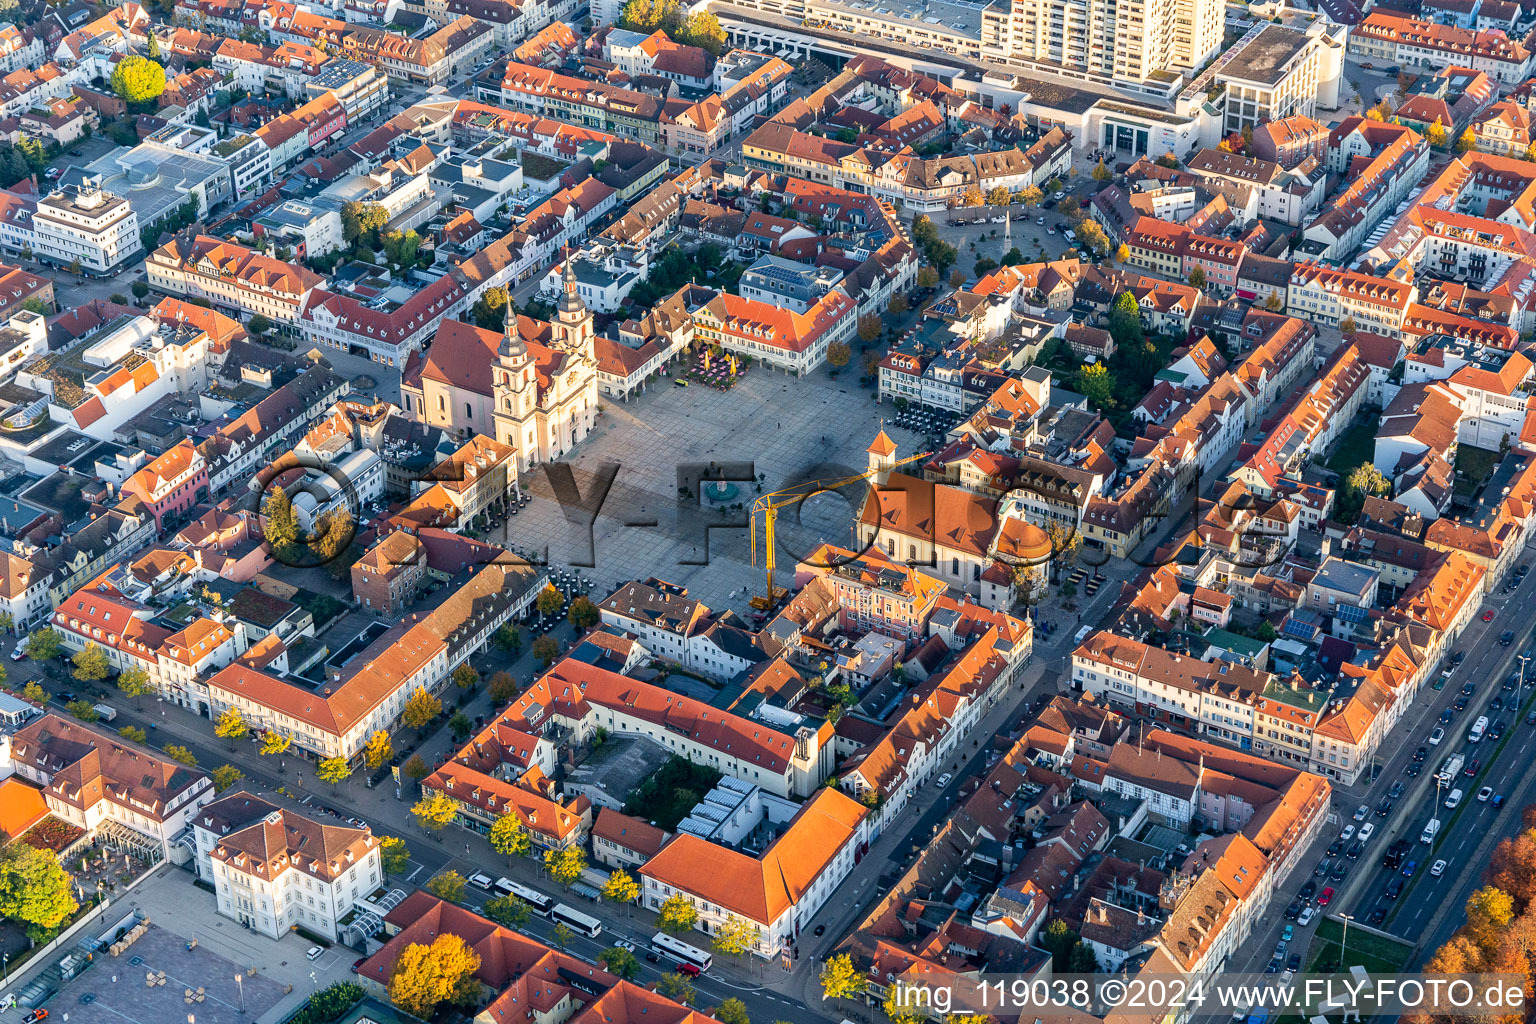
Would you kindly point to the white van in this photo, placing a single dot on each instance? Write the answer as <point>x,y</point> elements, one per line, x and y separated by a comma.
<point>1430,831</point>
<point>1453,801</point>
<point>1475,734</point>
<point>1082,635</point>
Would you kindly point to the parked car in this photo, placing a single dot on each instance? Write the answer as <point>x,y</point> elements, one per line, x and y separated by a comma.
<point>1488,615</point>
<point>313,953</point>
<point>944,780</point>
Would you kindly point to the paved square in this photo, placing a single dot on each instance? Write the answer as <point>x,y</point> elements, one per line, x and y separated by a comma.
<point>113,990</point>
<point>788,429</point>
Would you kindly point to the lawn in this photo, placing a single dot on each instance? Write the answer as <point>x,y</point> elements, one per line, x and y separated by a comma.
<point>666,797</point>
<point>1473,465</point>
<point>1356,448</point>
<point>539,167</point>
<point>1373,952</point>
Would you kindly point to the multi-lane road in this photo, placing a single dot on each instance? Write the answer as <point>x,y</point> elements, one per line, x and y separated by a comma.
<point>1429,909</point>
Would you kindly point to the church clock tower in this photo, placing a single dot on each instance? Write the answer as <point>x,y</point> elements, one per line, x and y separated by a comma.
<point>515,391</point>
<point>573,324</point>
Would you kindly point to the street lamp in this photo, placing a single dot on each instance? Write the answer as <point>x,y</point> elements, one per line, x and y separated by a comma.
<point>240,984</point>
<point>1520,690</point>
<point>1344,944</point>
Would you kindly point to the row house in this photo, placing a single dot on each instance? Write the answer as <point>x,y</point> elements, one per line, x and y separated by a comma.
<point>235,277</point>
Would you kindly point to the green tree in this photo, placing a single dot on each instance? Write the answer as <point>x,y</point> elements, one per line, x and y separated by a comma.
<point>840,979</point>
<point>35,890</point>
<point>1125,321</point>
<point>231,726</point>
<point>461,726</point>
<point>282,526</point>
<point>1102,173</point>
<point>400,247</point>
<point>676,915</point>
<point>91,663</point>
<point>83,710</point>
<point>490,310</point>
<point>378,751</point>
<point>420,709</point>
<point>360,221</point>
<point>502,688</point>
<point>43,644</point>
<point>258,324</point>
<point>333,770</point>
<point>546,649</point>
<point>138,80</point>
<point>704,30</point>
<point>509,837</point>
<point>176,752</point>
<point>133,734</point>
<point>1057,939</point>
<point>394,854</point>
<point>434,811</point>
<point>509,911</point>
<point>428,976</point>
<point>224,776</point>
<point>465,677</point>
<point>619,962</point>
<point>140,289</point>
<point>1093,238</point>
<point>134,683</point>
<point>447,886</point>
<point>562,935</point>
<point>508,638</point>
<point>732,1011</point>
<point>152,49</point>
<point>677,988</point>
<point>550,600</point>
<point>1197,278</point>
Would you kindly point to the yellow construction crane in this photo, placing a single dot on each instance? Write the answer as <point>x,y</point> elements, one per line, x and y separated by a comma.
<point>770,503</point>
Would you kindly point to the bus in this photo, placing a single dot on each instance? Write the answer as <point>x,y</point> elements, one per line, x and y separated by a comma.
<point>540,903</point>
<point>680,951</point>
<point>576,920</point>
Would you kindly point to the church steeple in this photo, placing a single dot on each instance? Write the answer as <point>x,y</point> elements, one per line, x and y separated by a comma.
<point>573,324</point>
<point>570,301</point>
<point>512,344</point>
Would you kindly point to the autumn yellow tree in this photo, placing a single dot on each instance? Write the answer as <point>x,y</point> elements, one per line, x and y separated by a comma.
<point>621,887</point>
<point>378,751</point>
<point>420,708</point>
<point>428,976</point>
<point>434,811</point>
<point>565,866</point>
<point>840,979</point>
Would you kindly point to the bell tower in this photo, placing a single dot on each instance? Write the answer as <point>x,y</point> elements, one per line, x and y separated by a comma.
<point>573,324</point>
<point>514,388</point>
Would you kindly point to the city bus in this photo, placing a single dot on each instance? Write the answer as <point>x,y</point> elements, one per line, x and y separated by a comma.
<point>540,903</point>
<point>684,954</point>
<point>576,920</point>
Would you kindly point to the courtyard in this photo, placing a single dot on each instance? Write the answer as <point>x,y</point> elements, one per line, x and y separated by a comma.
<point>127,989</point>
<point>767,432</point>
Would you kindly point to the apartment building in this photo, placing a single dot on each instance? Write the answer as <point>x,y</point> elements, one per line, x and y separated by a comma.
<point>1328,296</point>
<point>233,277</point>
<point>780,891</point>
<point>84,227</point>
<point>273,869</point>
<point>1281,72</point>
<point>1396,38</point>
<point>99,781</point>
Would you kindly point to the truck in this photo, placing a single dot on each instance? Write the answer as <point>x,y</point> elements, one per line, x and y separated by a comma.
<point>1451,769</point>
<point>106,711</point>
